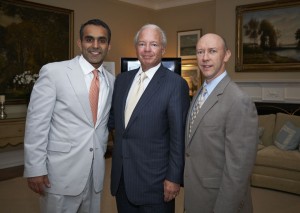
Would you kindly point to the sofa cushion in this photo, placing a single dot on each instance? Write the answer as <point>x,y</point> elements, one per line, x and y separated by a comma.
<point>277,158</point>
<point>260,146</point>
<point>268,123</point>
<point>282,118</point>
<point>288,138</point>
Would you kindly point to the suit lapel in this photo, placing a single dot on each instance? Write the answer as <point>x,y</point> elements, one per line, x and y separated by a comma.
<point>189,114</point>
<point>211,100</point>
<point>129,77</point>
<point>104,96</point>
<point>151,90</point>
<point>77,81</point>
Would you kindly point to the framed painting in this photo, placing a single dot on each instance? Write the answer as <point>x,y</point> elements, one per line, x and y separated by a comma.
<point>186,43</point>
<point>31,35</point>
<point>268,36</point>
<point>191,73</point>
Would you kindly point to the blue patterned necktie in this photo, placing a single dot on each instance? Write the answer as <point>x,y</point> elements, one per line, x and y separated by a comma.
<point>198,104</point>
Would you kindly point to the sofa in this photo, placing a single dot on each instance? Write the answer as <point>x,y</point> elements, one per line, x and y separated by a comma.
<point>277,164</point>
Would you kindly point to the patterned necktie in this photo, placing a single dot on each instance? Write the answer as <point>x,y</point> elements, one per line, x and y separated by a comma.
<point>198,104</point>
<point>136,93</point>
<point>94,95</point>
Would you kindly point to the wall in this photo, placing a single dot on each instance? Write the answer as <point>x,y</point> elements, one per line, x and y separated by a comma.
<point>189,17</point>
<point>125,19</point>
<point>262,86</point>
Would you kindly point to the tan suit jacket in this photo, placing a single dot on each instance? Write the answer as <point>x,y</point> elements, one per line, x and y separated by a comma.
<point>220,152</point>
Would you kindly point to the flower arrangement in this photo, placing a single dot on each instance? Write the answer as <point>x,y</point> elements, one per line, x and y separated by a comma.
<point>26,79</point>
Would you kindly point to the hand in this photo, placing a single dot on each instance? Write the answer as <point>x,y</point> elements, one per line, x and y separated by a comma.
<point>38,184</point>
<point>171,190</point>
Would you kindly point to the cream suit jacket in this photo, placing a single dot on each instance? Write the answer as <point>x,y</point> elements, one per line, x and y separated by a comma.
<point>220,152</point>
<point>61,140</point>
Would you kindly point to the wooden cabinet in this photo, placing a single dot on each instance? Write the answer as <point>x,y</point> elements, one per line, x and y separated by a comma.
<point>12,130</point>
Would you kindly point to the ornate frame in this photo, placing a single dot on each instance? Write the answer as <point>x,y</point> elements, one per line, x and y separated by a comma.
<point>265,42</point>
<point>186,43</point>
<point>33,35</point>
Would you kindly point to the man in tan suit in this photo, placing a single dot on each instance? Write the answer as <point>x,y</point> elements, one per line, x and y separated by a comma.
<point>221,137</point>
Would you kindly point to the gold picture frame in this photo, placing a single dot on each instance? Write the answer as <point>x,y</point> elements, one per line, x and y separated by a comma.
<point>186,43</point>
<point>33,35</point>
<point>268,37</point>
<point>191,73</point>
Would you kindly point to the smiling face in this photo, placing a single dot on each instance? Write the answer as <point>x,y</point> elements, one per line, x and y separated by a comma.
<point>94,44</point>
<point>149,48</point>
<point>212,56</point>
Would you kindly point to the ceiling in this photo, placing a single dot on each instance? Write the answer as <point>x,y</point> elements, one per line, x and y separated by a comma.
<point>162,4</point>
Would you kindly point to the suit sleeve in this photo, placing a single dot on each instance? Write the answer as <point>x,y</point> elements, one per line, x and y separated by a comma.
<point>38,120</point>
<point>241,140</point>
<point>177,112</point>
<point>111,120</point>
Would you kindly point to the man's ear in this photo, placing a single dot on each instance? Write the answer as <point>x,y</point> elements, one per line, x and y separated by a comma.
<point>227,55</point>
<point>163,51</point>
<point>79,44</point>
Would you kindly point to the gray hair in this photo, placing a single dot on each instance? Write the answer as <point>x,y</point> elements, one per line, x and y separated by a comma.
<point>155,27</point>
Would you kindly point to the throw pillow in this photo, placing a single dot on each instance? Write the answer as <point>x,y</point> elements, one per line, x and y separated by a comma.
<point>268,122</point>
<point>260,133</point>
<point>288,138</point>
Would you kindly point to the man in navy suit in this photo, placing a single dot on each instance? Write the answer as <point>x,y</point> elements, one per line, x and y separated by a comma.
<point>148,153</point>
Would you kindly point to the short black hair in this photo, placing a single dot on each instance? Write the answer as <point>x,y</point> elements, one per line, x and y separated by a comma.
<point>96,22</point>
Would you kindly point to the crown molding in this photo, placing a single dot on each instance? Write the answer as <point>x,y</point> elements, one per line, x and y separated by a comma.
<point>162,4</point>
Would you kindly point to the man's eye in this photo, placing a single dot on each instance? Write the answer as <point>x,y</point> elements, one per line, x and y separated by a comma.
<point>141,44</point>
<point>212,51</point>
<point>154,45</point>
<point>88,39</point>
<point>103,41</point>
<point>200,52</point>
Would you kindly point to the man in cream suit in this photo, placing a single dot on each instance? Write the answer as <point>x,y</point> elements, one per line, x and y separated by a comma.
<point>64,146</point>
<point>221,139</point>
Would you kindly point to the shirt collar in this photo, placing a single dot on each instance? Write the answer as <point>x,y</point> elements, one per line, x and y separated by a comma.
<point>88,68</point>
<point>150,72</point>
<point>212,85</point>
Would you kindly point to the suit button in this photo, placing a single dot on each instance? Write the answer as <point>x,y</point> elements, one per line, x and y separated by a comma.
<point>187,154</point>
<point>91,149</point>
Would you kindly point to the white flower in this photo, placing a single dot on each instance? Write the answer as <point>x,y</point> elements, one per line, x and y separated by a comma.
<point>26,78</point>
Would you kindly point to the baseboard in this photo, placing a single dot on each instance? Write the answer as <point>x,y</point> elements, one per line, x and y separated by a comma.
<point>13,172</point>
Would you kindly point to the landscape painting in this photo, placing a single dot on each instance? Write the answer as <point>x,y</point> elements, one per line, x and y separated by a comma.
<point>31,35</point>
<point>268,37</point>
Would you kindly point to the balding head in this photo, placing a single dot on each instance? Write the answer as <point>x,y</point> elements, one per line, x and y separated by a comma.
<point>212,54</point>
<point>216,38</point>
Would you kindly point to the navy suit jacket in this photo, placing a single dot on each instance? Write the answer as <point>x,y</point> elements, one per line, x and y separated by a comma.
<point>151,148</point>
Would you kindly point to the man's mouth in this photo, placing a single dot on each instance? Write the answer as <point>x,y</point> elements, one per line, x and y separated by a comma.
<point>95,53</point>
<point>206,66</point>
<point>147,57</point>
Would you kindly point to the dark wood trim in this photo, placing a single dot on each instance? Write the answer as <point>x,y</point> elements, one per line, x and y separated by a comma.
<point>264,108</point>
<point>12,172</point>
